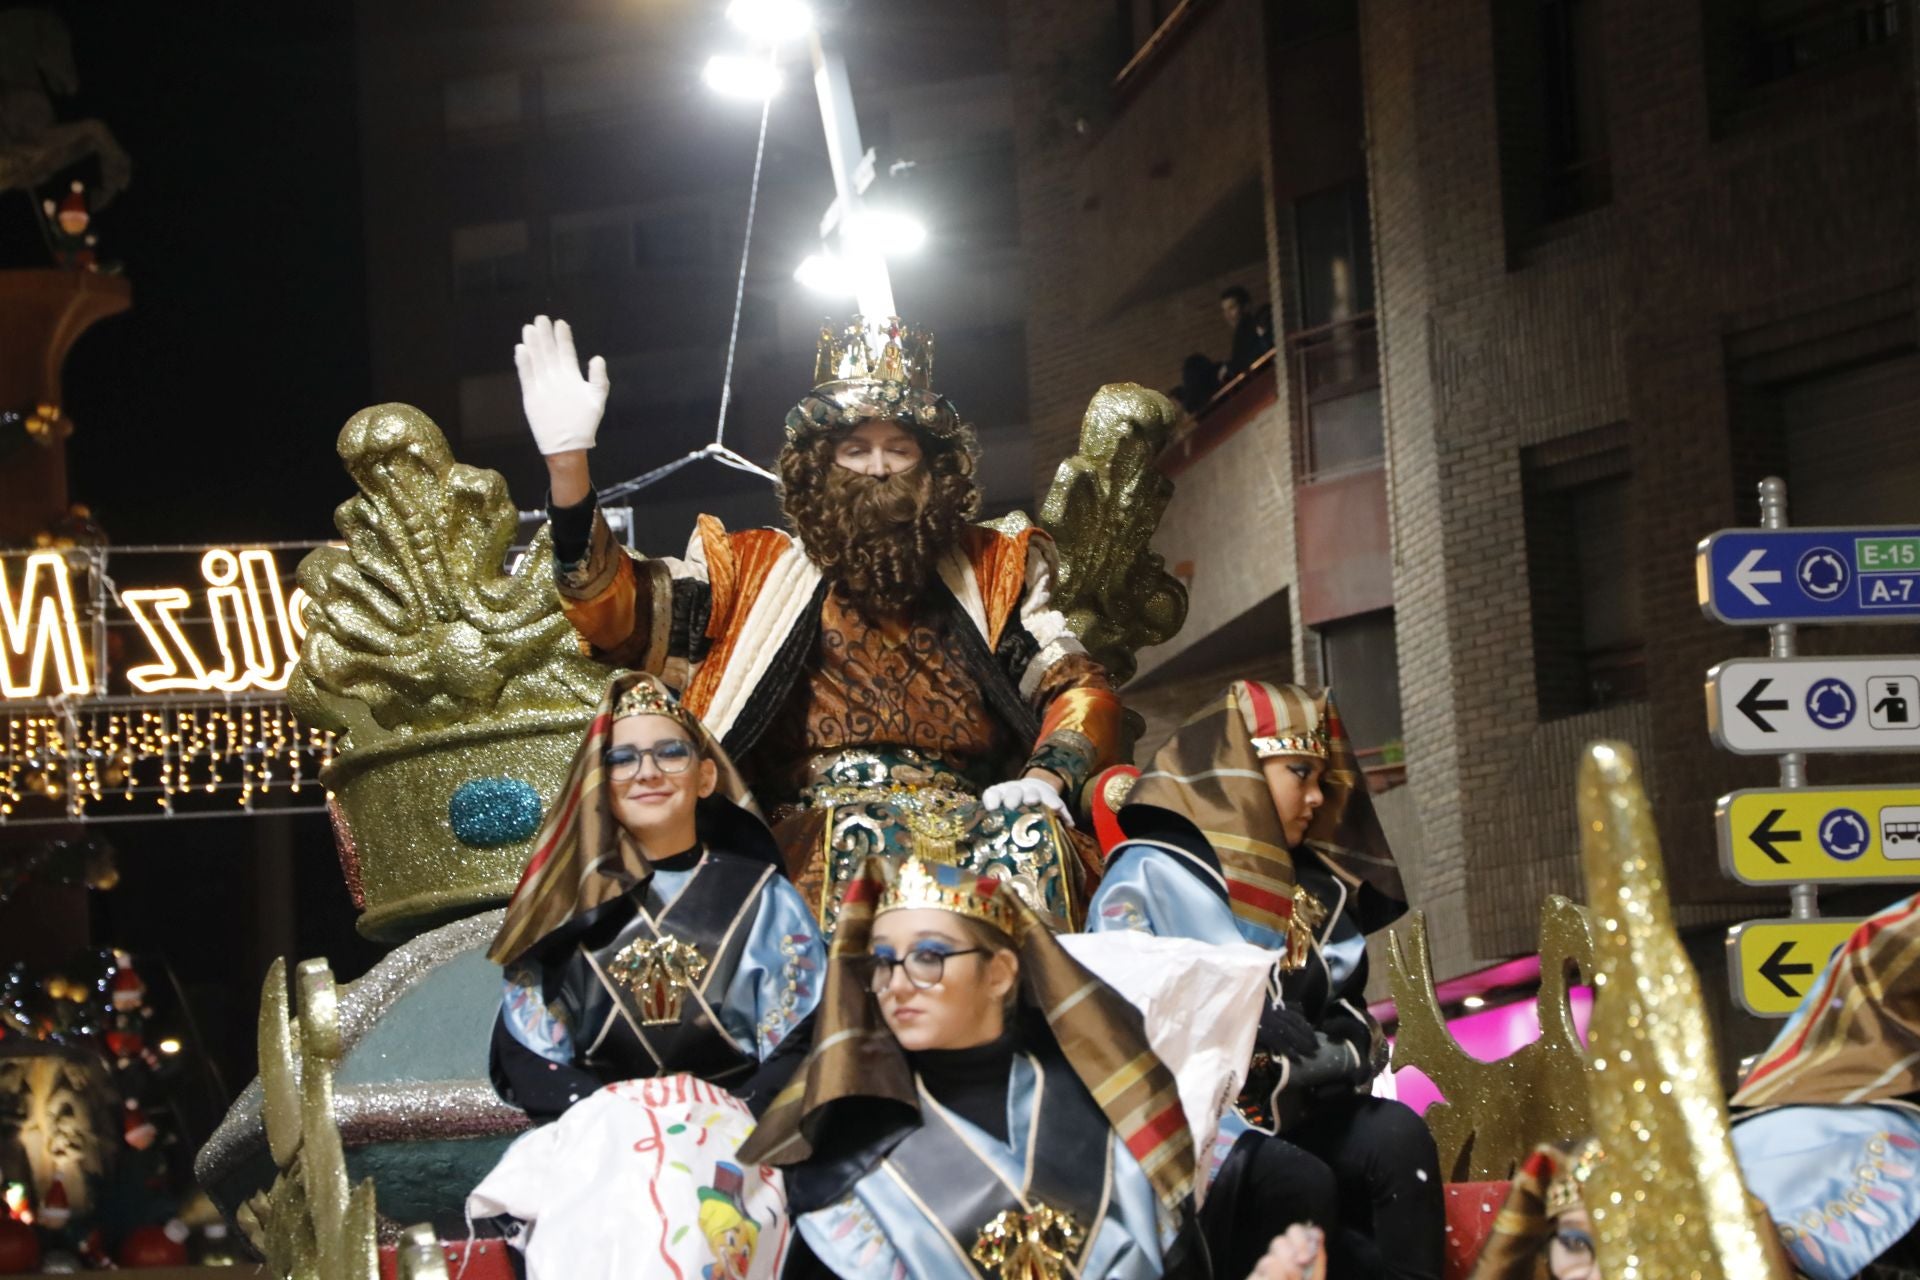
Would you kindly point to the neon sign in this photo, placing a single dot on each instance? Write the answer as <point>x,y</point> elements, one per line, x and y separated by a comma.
<point>41,625</point>
<point>239,631</point>
<point>244,600</point>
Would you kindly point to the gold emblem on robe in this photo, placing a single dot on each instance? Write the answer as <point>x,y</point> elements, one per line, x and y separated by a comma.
<point>1028,1246</point>
<point>658,973</point>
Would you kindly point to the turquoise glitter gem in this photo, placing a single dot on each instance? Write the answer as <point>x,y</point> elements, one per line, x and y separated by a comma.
<point>486,812</point>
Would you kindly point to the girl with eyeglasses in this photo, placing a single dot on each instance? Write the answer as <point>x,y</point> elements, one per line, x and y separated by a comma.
<point>660,973</point>
<point>979,1105</point>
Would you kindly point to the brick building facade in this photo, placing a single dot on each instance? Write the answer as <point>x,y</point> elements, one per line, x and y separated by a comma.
<point>1621,259</point>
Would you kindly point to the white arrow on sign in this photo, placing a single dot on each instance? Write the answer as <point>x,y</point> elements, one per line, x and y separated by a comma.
<point>1763,706</point>
<point>1747,575</point>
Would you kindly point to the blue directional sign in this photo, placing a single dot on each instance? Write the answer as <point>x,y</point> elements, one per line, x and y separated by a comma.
<point>1810,575</point>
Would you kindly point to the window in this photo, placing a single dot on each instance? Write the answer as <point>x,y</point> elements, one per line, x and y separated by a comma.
<point>1550,92</point>
<point>1335,352</point>
<point>1762,41</point>
<point>1589,643</point>
<point>1334,247</point>
<point>487,104</point>
<point>1849,438</point>
<point>490,259</point>
<point>1360,662</point>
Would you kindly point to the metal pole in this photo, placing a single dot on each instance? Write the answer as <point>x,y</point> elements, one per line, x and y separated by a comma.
<point>873,286</point>
<point>1793,764</point>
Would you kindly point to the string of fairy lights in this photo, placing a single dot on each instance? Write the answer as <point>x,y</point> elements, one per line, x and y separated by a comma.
<point>136,760</point>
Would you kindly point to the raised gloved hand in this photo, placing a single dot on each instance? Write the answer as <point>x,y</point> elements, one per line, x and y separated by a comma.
<point>1022,793</point>
<point>563,408</point>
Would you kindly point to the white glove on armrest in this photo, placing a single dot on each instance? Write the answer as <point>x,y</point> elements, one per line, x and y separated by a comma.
<point>1023,793</point>
<point>563,408</point>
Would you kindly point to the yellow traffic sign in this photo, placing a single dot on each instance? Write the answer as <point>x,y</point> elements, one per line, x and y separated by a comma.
<point>1820,835</point>
<point>1773,963</point>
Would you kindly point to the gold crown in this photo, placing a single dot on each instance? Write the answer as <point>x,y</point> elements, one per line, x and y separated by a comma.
<point>918,883</point>
<point>890,352</point>
<point>646,700</point>
<point>1568,1188</point>
<point>1310,742</point>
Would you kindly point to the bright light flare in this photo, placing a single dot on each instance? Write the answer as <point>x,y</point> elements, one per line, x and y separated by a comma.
<point>890,232</point>
<point>169,1046</point>
<point>733,76</point>
<point>1473,1002</point>
<point>771,21</point>
<point>824,273</point>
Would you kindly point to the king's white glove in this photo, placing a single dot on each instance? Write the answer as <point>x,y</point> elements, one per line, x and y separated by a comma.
<point>1025,793</point>
<point>562,407</point>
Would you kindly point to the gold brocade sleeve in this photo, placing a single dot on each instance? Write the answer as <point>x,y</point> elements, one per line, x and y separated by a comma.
<point>1080,728</point>
<point>603,597</point>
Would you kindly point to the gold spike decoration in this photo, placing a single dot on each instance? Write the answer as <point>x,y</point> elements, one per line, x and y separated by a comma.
<point>1496,1112</point>
<point>309,1225</point>
<point>1101,511</point>
<point>1667,1202</point>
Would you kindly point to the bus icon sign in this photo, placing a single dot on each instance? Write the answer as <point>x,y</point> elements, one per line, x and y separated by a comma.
<point>1900,831</point>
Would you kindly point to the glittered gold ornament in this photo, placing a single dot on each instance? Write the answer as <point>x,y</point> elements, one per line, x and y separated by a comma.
<point>1667,1203</point>
<point>439,667</point>
<point>1101,511</point>
<point>1495,1112</point>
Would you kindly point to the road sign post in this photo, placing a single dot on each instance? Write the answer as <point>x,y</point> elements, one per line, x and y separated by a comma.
<point>1764,706</point>
<point>1765,576</point>
<point>1820,835</point>
<point>1775,962</point>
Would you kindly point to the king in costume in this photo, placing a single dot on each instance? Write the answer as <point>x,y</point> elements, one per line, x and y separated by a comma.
<point>880,671</point>
<point>1207,855</point>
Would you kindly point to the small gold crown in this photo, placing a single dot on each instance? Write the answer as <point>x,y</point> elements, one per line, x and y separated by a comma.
<point>1568,1189</point>
<point>932,885</point>
<point>1312,742</point>
<point>645,700</point>
<point>890,352</point>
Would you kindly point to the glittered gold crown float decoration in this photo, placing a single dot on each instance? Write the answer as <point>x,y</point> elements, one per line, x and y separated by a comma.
<point>457,683</point>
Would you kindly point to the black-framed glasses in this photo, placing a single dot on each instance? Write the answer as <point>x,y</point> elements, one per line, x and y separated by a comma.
<point>670,755</point>
<point>925,967</point>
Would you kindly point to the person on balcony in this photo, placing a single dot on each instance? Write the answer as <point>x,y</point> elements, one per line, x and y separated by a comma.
<point>1253,823</point>
<point>1252,329</point>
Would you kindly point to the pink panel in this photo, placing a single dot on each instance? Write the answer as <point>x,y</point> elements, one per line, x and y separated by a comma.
<point>1346,559</point>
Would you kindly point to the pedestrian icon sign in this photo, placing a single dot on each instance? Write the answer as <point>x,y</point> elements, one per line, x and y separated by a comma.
<point>1893,702</point>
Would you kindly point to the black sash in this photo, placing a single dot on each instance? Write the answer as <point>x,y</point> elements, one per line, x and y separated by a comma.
<point>684,954</point>
<point>1070,1139</point>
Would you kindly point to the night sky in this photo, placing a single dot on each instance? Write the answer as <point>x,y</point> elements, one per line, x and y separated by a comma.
<point>208,412</point>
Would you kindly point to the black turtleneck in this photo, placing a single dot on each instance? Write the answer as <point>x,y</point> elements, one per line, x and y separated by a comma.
<point>971,1083</point>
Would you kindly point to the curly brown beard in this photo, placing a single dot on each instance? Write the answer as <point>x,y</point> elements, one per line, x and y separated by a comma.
<point>876,538</point>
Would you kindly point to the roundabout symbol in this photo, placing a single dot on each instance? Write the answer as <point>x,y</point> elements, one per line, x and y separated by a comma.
<point>1831,704</point>
<point>1844,834</point>
<point>1822,573</point>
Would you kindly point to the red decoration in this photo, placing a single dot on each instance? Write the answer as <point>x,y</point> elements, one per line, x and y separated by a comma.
<point>54,1210</point>
<point>19,1248</point>
<point>125,1044</point>
<point>150,1247</point>
<point>139,1130</point>
<point>129,992</point>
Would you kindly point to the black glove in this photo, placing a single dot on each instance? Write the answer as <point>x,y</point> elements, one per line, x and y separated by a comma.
<point>1286,1033</point>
